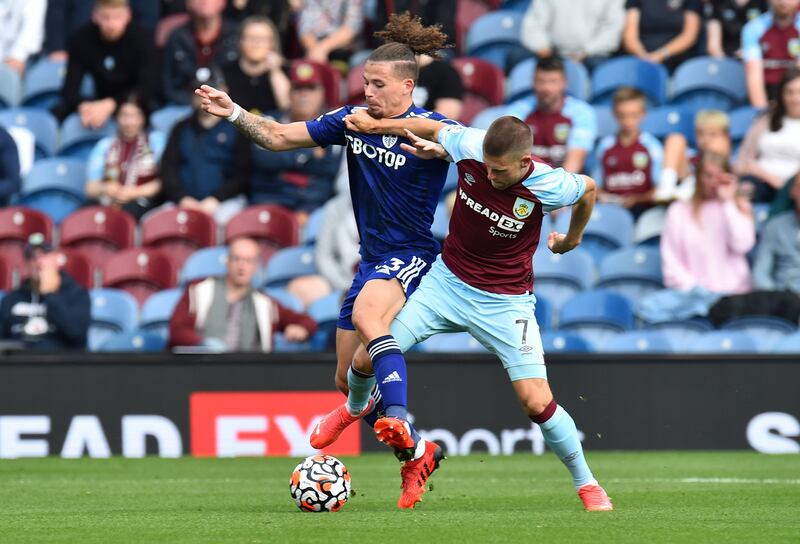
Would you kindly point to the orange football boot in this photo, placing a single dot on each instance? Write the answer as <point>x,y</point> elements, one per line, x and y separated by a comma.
<point>394,432</point>
<point>333,425</point>
<point>415,475</point>
<point>594,498</point>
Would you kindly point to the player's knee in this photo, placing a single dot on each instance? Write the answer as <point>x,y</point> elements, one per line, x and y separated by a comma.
<point>535,405</point>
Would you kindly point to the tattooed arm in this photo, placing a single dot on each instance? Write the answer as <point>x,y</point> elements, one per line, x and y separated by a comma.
<point>265,132</point>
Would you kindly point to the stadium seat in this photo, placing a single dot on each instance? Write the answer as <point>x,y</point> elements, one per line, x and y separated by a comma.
<point>41,123</point>
<point>310,231</point>
<point>10,87</point>
<point>488,116</point>
<point>767,330</point>
<point>283,297</point>
<point>495,36</point>
<point>134,342</point>
<point>76,266</point>
<point>606,122</point>
<point>325,312</point>
<point>629,71</point>
<point>555,342</point>
<point>166,25</point>
<point>610,228</point>
<point>281,345</point>
<point>272,226</point>
<point>42,84</point>
<point>97,233</point>
<point>55,186</point>
<point>544,313</point>
<point>665,120</point>
<point>760,214</point>
<point>441,222</point>
<point>359,57</point>
<point>17,223</point>
<point>77,140</point>
<point>452,342</point>
<point>139,271</point>
<point>211,261</point>
<point>520,80</point>
<point>178,233</point>
<point>483,85</point>
<point>633,272</point>
<point>649,226</point>
<point>709,83</point>
<point>723,342</point>
<point>355,86</point>
<point>638,342</point>
<point>467,12</point>
<point>741,119</point>
<point>559,277</point>
<point>113,311</point>
<point>788,344</point>
<point>6,276</point>
<point>331,80</point>
<point>164,119</point>
<point>157,311</point>
<point>289,263</point>
<point>680,333</point>
<point>597,315</point>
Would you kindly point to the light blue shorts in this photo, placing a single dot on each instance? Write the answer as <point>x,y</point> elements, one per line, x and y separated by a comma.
<point>503,324</point>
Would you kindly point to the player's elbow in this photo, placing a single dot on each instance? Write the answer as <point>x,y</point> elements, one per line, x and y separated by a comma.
<point>590,194</point>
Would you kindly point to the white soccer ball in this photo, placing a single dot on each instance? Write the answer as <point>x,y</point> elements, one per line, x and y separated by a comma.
<point>321,483</point>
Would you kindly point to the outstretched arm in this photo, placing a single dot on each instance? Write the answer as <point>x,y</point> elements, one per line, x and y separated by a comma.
<point>361,121</point>
<point>267,133</point>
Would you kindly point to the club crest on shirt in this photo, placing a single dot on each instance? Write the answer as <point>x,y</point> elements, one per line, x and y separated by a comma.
<point>752,13</point>
<point>794,47</point>
<point>389,140</point>
<point>522,208</point>
<point>468,179</point>
<point>640,160</point>
<point>561,132</point>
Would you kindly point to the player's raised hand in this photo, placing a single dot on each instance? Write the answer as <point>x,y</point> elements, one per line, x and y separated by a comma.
<point>422,148</point>
<point>558,243</point>
<point>361,121</point>
<point>214,101</point>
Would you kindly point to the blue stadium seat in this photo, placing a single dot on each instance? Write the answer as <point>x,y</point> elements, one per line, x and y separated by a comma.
<point>633,272</point>
<point>486,117</point>
<point>495,35</point>
<point>77,140</point>
<point>325,312</point>
<point>310,232</point>
<point>681,332</point>
<point>610,228</point>
<point>788,344</point>
<point>164,119</point>
<point>113,311</point>
<point>441,222</point>
<point>629,71</point>
<point>42,84</point>
<point>519,83</point>
<point>451,181</point>
<point>289,263</point>
<point>41,123</point>
<point>723,342</point>
<point>209,261</point>
<point>134,342</point>
<point>760,214</point>
<point>709,83</point>
<point>55,186</point>
<point>741,120</point>
<point>555,342</point>
<point>597,315</point>
<point>649,226</point>
<point>281,345</point>
<point>638,342</point>
<point>544,313</point>
<point>157,311</point>
<point>10,87</point>
<point>559,277</point>
<point>665,120</point>
<point>606,122</point>
<point>766,330</point>
<point>285,298</point>
<point>453,342</point>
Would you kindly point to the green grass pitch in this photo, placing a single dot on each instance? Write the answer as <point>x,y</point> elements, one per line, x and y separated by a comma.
<point>659,497</point>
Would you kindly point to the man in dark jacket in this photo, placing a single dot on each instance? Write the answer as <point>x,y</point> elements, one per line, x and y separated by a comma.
<point>50,311</point>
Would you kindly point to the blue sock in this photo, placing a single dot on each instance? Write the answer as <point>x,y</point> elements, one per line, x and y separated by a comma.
<point>561,436</point>
<point>377,410</point>
<point>390,374</point>
<point>360,386</point>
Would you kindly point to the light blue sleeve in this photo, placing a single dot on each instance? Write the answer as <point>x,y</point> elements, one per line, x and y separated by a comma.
<point>584,124</point>
<point>555,187</point>
<point>751,34</point>
<point>157,141</point>
<point>97,159</point>
<point>656,151</point>
<point>521,108</point>
<point>462,142</point>
<point>600,150</point>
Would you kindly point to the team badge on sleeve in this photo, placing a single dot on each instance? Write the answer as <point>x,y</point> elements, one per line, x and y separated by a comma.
<point>389,140</point>
<point>522,208</point>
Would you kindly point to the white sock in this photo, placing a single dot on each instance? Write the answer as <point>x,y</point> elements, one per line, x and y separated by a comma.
<point>666,184</point>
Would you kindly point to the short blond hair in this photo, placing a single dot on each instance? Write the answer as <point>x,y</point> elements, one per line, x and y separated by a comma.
<point>712,118</point>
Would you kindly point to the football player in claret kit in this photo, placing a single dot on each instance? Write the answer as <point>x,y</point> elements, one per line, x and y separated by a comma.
<point>394,197</point>
<point>483,281</point>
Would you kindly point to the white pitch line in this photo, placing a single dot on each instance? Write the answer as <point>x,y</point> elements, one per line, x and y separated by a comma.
<point>768,481</point>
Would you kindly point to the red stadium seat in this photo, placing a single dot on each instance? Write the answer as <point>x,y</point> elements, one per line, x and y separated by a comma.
<point>331,79</point>
<point>355,86</point>
<point>98,232</point>
<point>273,226</point>
<point>166,25</point>
<point>483,85</point>
<point>178,233</point>
<point>140,272</point>
<point>76,265</point>
<point>16,224</point>
<point>5,276</point>
<point>467,11</point>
